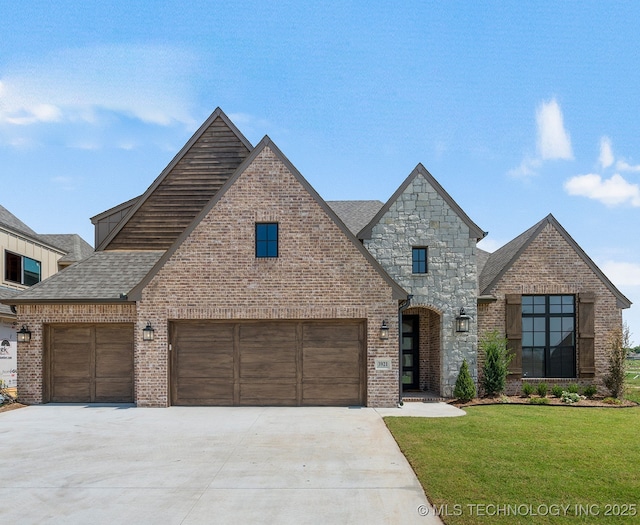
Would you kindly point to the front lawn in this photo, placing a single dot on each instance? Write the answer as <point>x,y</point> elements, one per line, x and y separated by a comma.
<point>527,464</point>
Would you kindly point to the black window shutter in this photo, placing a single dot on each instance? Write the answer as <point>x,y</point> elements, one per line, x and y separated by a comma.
<point>514,333</point>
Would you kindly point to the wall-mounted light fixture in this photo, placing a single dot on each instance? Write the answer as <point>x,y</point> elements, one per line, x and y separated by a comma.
<point>24,335</point>
<point>462,321</point>
<point>384,330</point>
<point>147,332</point>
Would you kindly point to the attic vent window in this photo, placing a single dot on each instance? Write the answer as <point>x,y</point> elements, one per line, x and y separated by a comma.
<point>266,239</point>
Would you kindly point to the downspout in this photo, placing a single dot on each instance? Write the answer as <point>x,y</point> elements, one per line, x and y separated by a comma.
<point>403,306</point>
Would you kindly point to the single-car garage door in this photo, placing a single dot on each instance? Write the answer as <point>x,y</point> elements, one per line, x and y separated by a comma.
<point>288,363</point>
<point>90,363</point>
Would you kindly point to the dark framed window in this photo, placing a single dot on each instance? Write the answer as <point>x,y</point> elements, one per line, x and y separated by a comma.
<point>266,239</point>
<point>548,336</point>
<point>419,260</point>
<point>22,270</point>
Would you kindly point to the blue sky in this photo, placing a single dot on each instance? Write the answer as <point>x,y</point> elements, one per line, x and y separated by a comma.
<point>519,109</point>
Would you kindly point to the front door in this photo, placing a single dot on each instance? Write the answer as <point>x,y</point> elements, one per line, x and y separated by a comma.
<point>410,353</point>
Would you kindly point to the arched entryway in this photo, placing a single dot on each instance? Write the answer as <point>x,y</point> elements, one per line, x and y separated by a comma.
<point>421,349</point>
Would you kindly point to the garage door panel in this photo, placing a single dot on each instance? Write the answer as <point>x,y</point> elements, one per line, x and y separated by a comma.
<point>114,391</point>
<point>327,393</point>
<point>204,391</point>
<point>269,334</point>
<point>70,392</point>
<point>268,393</point>
<point>205,364</point>
<point>263,363</point>
<point>327,333</point>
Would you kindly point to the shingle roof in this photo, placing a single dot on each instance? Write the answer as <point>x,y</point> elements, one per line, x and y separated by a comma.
<point>76,247</point>
<point>7,293</point>
<point>12,222</point>
<point>502,259</point>
<point>355,214</point>
<point>101,277</point>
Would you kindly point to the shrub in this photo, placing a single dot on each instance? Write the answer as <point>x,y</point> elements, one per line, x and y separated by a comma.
<point>571,397</point>
<point>542,389</point>
<point>615,379</point>
<point>556,390</point>
<point>573,388</point>
<point>5,396</point>
<point>496,363</point>
<point>465,389</point>
<point>590,391</point>
<point>611,401</point>
<point>527,389</point>
<point>539,401</point>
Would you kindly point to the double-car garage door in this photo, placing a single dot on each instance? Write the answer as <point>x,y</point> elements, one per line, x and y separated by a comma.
<point>288,363</point>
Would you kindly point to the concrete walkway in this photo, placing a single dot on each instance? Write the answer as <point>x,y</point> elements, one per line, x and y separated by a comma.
<point>120,464</point>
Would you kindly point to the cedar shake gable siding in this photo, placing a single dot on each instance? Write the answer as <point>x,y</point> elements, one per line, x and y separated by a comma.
<point>321,272</point>
<point>545,260</point>
<point>156,219</point>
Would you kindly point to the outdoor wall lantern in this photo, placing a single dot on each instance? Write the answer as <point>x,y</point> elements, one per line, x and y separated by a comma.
<point>384,330</point>
<point>147,332</point>
<point>24,335</point>
<point>462,321</point>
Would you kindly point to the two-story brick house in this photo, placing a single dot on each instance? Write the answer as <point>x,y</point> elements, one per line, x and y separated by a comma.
<point>230,281</point>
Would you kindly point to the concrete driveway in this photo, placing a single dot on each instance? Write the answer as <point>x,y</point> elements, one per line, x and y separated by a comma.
<point>121,464</point>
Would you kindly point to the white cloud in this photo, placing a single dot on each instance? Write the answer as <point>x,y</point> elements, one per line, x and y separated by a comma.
<point>612,192</point>
<point>553,139</point>
<point>606,153</point>
<point>149,83</point>
<point>622,273</point>
<point>64,183</point>
<point>526,169</point>
<point>621,165</point>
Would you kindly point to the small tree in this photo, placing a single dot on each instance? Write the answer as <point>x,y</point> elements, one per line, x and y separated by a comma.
<point>465,389</point>
<point>496,363</point>
<point>615,379</point>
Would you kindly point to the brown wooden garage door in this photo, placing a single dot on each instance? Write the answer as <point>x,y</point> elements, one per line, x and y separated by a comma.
<point>288,363</point>
<point>90,363</point>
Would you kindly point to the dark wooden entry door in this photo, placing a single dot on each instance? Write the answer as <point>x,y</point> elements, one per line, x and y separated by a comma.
<point>410,353</point>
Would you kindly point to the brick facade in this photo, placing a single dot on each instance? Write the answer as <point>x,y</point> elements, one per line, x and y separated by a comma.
<point>550,265</point>
<point>318,274</point>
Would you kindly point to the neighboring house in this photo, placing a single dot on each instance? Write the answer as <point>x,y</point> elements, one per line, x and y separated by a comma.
<point>230,281</point>
<point>26,259</point>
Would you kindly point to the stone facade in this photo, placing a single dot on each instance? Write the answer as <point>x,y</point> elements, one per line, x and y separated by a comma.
<point>421,217</point>
<point>319,274</point>
<point>550,265</point>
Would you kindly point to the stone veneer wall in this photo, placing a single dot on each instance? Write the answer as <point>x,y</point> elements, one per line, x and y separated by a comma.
<point>554,267</point>
<point>36,316</point>
<point>319,274</point>
<point>420,217</point>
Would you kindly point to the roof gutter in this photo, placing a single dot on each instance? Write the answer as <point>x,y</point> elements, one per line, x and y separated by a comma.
<point>403,306</point>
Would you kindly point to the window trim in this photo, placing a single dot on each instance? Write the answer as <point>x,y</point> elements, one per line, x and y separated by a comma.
<point>418,249</point>
<point>548,348</point>
<point>268,244</point>
<point>22,259</point>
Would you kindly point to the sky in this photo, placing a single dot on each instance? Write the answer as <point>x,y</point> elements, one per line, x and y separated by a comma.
<point>519,109</point>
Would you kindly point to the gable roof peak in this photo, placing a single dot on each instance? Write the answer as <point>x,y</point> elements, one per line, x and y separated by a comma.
<point>474,230</point>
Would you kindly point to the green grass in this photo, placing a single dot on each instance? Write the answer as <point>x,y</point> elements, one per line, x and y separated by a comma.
<point>633,380</point>
<point>526,455</point>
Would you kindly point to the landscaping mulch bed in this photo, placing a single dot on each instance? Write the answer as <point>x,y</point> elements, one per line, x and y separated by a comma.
<point>597,401</point>
<point>11,406</point>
